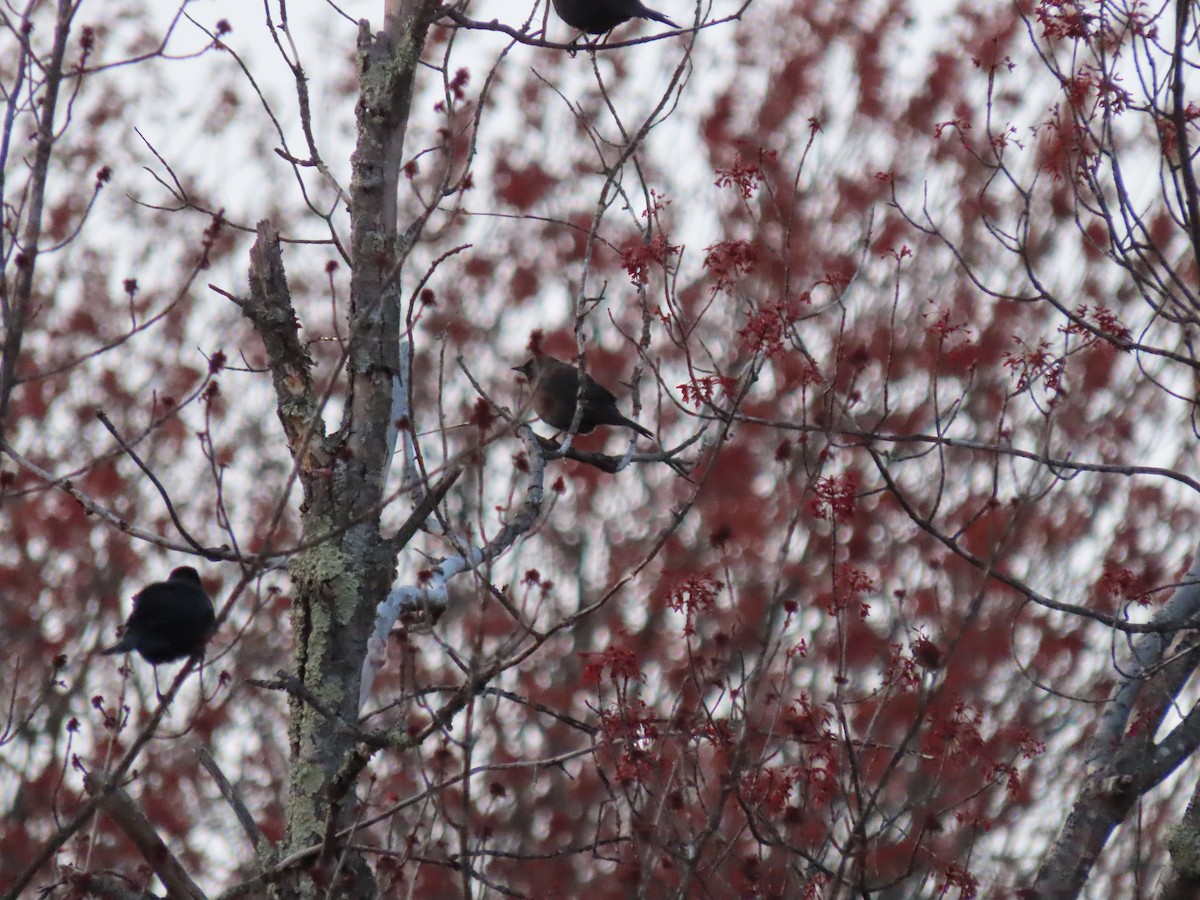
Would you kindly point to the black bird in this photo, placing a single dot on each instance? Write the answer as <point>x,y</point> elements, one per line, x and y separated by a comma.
<point>599,16</point>
<point>170,620</point>
<point>555,386</point>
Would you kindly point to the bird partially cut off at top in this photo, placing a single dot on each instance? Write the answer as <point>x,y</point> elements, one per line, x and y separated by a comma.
<point>170,620</point>
<point>599,16</point>
<point>555,387</point>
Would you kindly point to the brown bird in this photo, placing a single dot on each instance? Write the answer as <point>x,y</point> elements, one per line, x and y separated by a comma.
<point>599,16</point>
<point>556,385</point>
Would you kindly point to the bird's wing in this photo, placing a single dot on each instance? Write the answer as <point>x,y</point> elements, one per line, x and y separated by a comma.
<point>152,604</point>
<point>146,596</point>
<point>565,383</point>
<point>596,393</point>
<point>163,598</point>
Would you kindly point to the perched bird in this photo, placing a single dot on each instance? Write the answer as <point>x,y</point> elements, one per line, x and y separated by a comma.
<point>170,620</point>
<point>556,385</point>
<point>599,16</point>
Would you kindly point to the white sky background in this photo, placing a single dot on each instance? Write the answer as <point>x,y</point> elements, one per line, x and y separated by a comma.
<point>326,44</point>
<point>245,177</point>
<point>325,41</point>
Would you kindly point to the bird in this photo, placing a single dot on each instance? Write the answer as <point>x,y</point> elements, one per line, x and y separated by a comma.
<point>599,16</point>
<point>556,385</point>
<point>170,620</point>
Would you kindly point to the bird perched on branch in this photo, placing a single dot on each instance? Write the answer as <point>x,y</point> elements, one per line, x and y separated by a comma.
<point>599,16</point>
<point>555,386</point>
<point>170,620</point>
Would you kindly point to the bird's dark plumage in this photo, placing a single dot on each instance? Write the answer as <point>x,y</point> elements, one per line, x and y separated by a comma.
<point>555,386</point>
<point>599,16</point>
<point>170,620</point>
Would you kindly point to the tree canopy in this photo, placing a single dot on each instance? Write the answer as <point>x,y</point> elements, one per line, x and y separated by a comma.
<point>900,600</point>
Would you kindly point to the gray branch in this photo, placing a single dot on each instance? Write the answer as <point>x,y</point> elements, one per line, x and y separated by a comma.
<point>1122,762</point>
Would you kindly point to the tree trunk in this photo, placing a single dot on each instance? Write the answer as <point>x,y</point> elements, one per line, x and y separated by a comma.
<point>347,567</point>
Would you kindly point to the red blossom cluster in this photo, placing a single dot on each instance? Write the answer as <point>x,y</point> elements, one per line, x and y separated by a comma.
<point>745,176</point>
<point>638,257</point>
<point>834,497</point>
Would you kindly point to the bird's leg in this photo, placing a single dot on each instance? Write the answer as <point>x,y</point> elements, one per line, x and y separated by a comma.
<point>200,675</point>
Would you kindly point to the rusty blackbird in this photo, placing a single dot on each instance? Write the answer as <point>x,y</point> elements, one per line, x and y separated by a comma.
<point>555,386</point>
<point>599,16</point>
<point>170,620</point>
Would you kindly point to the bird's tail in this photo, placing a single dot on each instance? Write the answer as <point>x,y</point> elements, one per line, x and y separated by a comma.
<point>629,423</point>
<point>657,17</point>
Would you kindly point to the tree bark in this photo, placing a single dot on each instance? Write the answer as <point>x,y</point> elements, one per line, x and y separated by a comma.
<point>348,567</point>
<point>1124,762</point>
